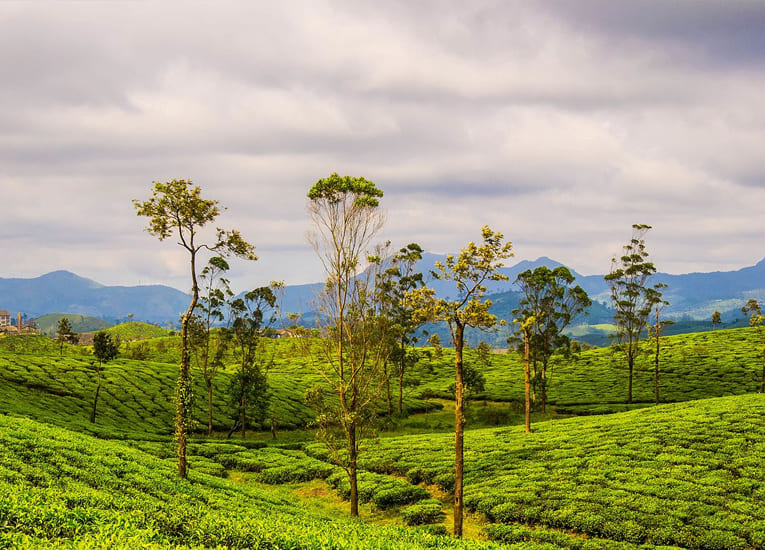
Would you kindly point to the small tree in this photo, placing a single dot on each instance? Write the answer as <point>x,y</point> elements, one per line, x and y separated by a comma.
<point>65,334</point>
<point>756,321</point>
<point>716,319</point>
<point>631,296</point>
<point>553,303</point>
<point>434,340</point>
<point>470,270</point>
<point>252,315</point>
<point>105,349</point>
<point>207,349</point>
<point>177,208</point>
<point>393,284</point>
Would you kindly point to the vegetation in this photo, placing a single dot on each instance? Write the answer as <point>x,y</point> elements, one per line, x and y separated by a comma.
<point>177,208</point>
<point>631,296</point>
<point>345,216</point>
<point>104,349</point>
<point>469,271</point>
<point>686,475</point>
<point>65,334</point>
<point>47,323</point>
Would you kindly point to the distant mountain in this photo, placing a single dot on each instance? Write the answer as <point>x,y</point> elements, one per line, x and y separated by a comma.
<point>692,296</point>
<point>63,291</point>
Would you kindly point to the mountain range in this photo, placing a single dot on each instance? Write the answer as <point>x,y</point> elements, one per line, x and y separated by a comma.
<point>691,295</point>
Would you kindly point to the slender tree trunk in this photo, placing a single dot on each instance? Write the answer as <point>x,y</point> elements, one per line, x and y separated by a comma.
<point>273,428</point>
<point>459,426</point>
<point>656,362</point>
<point>352,471</point>
<point>762,378</point>
<point>95,398</point>
<point>527,381</point>
<point>208,382</point>
<point>387,389</point>
<point>400,392</point>
<point>244,416</point>
<point>183,390</point>
<point>543,384</point>
<point>630,365</point>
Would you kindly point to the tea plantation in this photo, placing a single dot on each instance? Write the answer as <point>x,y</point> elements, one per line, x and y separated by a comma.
<point>687,474</point>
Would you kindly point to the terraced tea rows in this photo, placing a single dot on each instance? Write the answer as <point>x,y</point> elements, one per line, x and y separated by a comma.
<point>687,474</point>
<point>62,489</point>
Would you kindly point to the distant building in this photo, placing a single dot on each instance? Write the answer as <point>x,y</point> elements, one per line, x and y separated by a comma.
<point>5,319</point>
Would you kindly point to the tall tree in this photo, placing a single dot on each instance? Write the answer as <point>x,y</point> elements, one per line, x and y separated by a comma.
<point>252,316</point>
<point>176,208</point>
<point>553,303</point>
<point>469,270</point>
<point>345,215</point>
<point>632,297</point>
<point>105,349</point>
<point>756,321</point>
<point>65,334</point>
<point>208,349</point>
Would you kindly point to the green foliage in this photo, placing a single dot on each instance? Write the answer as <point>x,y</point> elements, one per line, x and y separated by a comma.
<point>134,330</point>
<point>104,348</point>
<point>423,512</point>
<point>62,489</point>
<point>687,475</point>
<point>47,323</point>
<point>381,490</point>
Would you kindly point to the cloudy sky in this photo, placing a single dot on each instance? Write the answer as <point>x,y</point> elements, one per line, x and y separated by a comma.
<point>558,123</point>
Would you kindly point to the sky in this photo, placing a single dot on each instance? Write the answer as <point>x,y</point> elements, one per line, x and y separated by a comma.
<point>558,123</point>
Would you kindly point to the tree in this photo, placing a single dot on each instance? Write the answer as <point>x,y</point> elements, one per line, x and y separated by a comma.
<point>65,334</point>
<point>655,332</point>
<point>177,208</point>
<point>252,315</point>
<point>756,321</point>
<point>631,296</point>
<point>393,284</point>
<point>470,270</point>
<point>716,319</point>
<point>527,328</point>
<point>105,349</point>
<point>207,349</point>
<point>345,215</point>
<point>553,303</point>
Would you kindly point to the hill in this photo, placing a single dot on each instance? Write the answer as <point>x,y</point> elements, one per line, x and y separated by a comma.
<point>692,296</point>
<point>65,291</point>
<point>63,489</point>
<point>688,475</point>
<point>47,324</point>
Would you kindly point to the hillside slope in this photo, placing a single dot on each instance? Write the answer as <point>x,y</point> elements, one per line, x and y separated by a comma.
<point>63,489</point>
<point>686,474</point>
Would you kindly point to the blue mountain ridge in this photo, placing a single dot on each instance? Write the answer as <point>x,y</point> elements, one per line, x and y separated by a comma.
<point>692,295</point>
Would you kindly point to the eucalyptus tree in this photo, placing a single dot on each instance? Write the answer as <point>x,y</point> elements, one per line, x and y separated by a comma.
<point>655,331</point>
<point>208,349</point>
<point>632,297</point>
<point>469,270</point>
<point>105,349</point>
<point>756,321</point>
<point>346,216</point>
<point>553,303</point>
<point>177,209</point>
